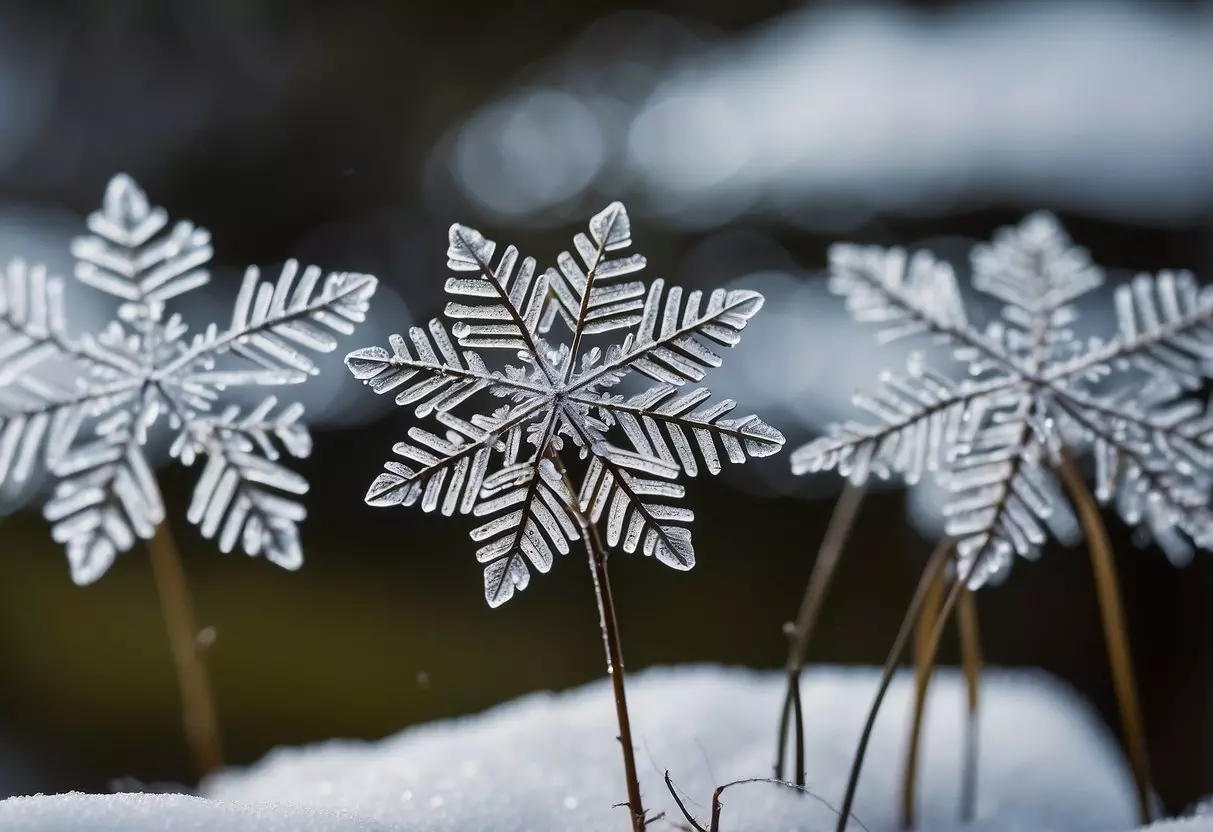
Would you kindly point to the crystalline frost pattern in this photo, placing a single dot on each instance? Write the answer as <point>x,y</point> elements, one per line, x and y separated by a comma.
<point>497,463</point>
<point>143,369</point>
<point>1032,391</point>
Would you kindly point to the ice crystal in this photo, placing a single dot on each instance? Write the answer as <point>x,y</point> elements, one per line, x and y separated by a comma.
<point>501,463</point>
<point>1033,390</point>
<point>144,369</point>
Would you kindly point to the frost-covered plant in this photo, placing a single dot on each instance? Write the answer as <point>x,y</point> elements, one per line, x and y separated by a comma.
<point>503,461</point>
<point>144,370</point>
<point>1033,390</point>
<point>1032,396</point>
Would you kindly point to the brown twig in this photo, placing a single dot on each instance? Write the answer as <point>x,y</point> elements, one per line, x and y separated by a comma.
<point>609,625</point>
<point>970,660</point>
<point>197,701</point>
<point>1120,659</point>
<point>924,666</point>
<point>718,806</point>
<point>799,632</point>
<point>935,565</point>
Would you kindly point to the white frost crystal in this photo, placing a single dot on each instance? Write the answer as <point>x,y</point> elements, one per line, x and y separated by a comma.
<point>1031,390</point>
<point>143,370</point>
<point>497,463</point>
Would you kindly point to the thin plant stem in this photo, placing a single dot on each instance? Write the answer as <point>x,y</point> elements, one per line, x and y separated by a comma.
<point>970,660</point>
<point>924,666</point>
<point>609,625</point>
<point>718,805</point>
<point>799,631</point>
<point>935,565</point>
<point>197,701</point>
<point>1120,659</point>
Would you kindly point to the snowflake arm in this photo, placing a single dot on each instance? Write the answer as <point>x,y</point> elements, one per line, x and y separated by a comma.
<point>455,465</point>
<point>33,326</point>
<point>534,523</point>
<point>105,500</point>
<point>1002,493</point>
<point>507,306</point>
<point>1154,462</point>
<point>1165,327</point>
<point>41,417</point>
<point>661,423</point>
<point>925,417</point>
<point>240,493</point>
<point>274,321</point>
<point>601,308</point>
<point>127,255</point>
<point>438,377</point>
<point>635,493</point>
<point>904,295</point>
<point>675,352</point>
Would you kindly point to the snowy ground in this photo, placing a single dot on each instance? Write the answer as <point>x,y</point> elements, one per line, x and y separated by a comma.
<point>550,762</point>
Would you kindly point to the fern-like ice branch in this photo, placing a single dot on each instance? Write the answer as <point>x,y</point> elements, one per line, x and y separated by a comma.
<point>1035,389</point>
<point>503,466</point>
<point>141,370</point>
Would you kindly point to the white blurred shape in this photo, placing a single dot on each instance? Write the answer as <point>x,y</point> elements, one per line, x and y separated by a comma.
<point>1103,107</point>
<point>42,235</point>
<point>538,148</point>
<point>1097,107</point>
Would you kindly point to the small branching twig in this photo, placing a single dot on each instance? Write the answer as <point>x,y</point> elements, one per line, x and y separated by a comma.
<point>924,667</point>
<point>799,631</point>
<point>970,660</point>
<point>935,565</point>
<point>925,658</point>
<point>718,805</point>
<point>198,712</point>
<point>1120,659</point>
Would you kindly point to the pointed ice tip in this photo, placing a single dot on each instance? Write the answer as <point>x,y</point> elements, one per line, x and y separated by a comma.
<point>1042,226</point>
<point>124,200</point>
<point>468,249</point>
<point>611,228</point>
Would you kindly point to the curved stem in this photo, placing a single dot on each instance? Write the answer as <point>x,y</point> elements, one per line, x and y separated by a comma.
<point>197,701</point>
<point>609,625</point>
<point>935,565</point>
<point>1120,659</point>
<point>924,667</point>
<point>798,632</point>
<point>970,660</point>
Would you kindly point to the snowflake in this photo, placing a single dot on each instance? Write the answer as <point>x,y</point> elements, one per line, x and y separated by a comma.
<point>1033,391</point>
<point>504,465</point>
<point>142,370</point>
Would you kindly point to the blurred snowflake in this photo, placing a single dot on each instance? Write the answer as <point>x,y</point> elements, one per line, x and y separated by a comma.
<point>142,367</point>
<point>1033,392</point>
<point>505,464</point>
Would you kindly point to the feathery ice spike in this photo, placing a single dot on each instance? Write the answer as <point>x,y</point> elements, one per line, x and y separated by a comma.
<point>1032,388</point>
<point>142,370</point>
<point>495,463</point>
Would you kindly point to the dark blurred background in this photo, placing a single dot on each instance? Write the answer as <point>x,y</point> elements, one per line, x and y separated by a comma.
<point>745,137</point>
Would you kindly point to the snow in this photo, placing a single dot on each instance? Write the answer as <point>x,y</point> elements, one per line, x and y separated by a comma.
<point>78,812</point>
<point>549,761</point>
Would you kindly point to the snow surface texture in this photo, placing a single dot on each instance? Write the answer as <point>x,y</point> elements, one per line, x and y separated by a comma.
<point>78,812</point>
<point>550,762</point>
